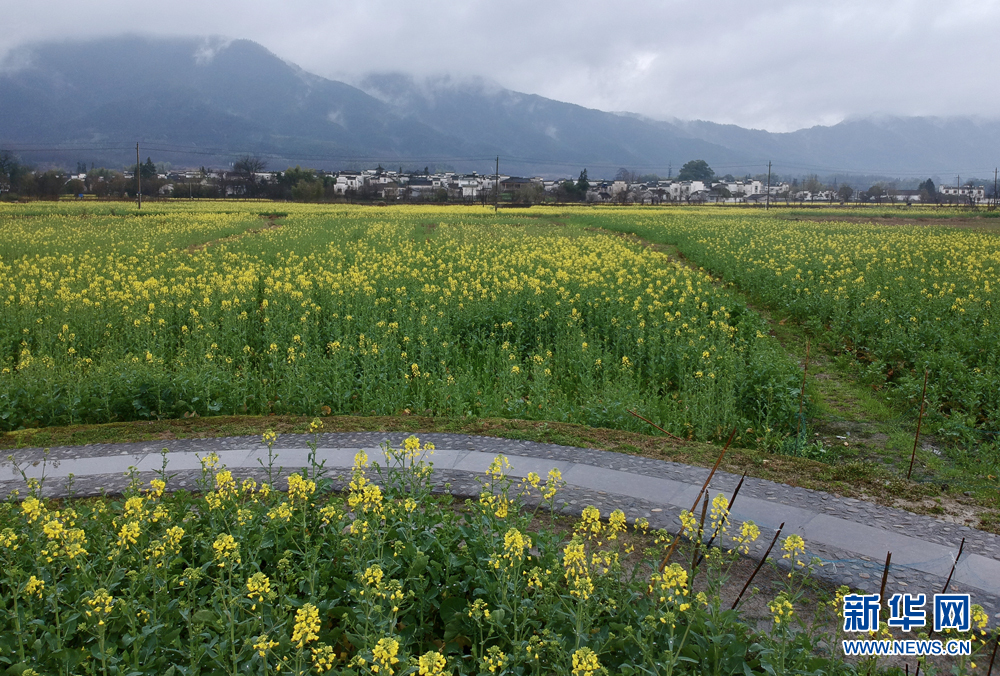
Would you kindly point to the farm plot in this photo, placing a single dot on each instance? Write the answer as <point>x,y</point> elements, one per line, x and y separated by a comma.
<point>901,299</point>
<point>338,310</point>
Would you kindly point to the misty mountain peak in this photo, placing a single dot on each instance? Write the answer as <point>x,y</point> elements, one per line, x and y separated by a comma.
<point>216,98</point>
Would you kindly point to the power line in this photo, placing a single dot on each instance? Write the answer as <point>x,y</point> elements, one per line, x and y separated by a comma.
<point>351,158</point>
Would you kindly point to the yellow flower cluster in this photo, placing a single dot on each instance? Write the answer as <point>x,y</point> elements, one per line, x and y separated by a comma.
<point>9,539</point>
<point>323,658</point>
<point>689,524</point>
<point>99,605</point>
<point>262,644</point>
<point>225,484</point>
<point>670,585</point>
<point>32,508</point>
<point>479,610</point>
<point>781,608</point>
<point>62,538</point>
<point>515,545</point>
<point>34,587</point>
<point>793,547</point>
<point>368,499</point>
<point>328,514</point>
<point>494,661</point>
<point>156,488</point>
<point>616,524</point>
<point>128,534</point>
<point>300,488</point>
<point>306,627</point>
<point>585,662</point>
<point>499,467</point>
<point>577,571</point>
<point>498,504</point>
<point>169,543</point>
<point>431,663</point>
<point>552,484</point>
<point>749,532</point>
<point>589,526</point>
<point>282,512</point>
<point>226,549</point>
<point>719,514</point>
<point>384,655</point>
<point>258,586</point>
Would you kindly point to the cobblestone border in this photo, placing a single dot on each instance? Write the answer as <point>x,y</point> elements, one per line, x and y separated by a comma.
<point>887,518</point>
<point>837,566</point>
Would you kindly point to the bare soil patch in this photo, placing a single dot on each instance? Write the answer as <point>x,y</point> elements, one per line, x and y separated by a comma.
<point>272,224</point>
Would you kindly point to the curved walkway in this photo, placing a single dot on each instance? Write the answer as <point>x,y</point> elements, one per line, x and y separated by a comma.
<point>850,537</point>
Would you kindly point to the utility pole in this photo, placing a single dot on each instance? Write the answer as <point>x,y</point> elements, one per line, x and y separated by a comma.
<point>496,187</point>
<point>767,197</point>
<point>138,176</point>
<point>994,187</point>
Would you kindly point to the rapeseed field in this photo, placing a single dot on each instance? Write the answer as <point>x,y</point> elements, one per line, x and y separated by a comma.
<point>204,309</point>
<point>901,299</point>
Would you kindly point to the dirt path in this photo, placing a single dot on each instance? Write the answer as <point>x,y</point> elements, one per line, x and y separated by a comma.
<point>272,224</point>
<point>855,428</point>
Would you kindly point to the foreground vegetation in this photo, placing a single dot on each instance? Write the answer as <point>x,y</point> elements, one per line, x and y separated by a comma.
<point>201,310</point>
<point>386,579</point>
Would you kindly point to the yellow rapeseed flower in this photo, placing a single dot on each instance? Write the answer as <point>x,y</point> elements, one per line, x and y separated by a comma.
<point>306,627</point>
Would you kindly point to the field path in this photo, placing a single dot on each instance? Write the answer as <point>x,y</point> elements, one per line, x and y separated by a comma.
<point>854,425</point>
<point>849,536</point>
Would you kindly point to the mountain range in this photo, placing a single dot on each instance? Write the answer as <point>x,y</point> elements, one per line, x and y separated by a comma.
<point>207,101</point>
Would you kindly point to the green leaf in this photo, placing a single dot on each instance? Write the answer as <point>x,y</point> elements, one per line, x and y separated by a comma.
<point>419,565</point>
<point>204,616</point>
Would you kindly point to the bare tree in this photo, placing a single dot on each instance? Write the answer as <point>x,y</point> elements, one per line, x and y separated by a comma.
<point>627,175</point>
<point>247,168</point>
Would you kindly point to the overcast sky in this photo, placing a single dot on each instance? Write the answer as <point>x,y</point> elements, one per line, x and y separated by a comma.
<point>771,64</point>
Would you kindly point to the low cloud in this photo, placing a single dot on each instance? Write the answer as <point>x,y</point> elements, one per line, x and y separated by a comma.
<point>778,65</point>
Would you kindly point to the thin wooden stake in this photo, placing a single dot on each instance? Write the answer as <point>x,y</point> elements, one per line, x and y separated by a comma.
<point>920,420</point>
<point>996,643</point>
<point>673,545</point>
<point>757,569</point>
<point>701,534</point>
<point>944,590</point>
<point>802,393</point>
<point>948,581</point>
<point>885,576</point>
<point>718,528</point>
<point>672,436</point>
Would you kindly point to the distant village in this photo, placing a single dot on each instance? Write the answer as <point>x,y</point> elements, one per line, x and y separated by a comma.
<point>392,186</point>
<point>247,178</point>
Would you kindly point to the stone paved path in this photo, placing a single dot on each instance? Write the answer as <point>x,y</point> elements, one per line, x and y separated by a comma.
<point>851,537</point>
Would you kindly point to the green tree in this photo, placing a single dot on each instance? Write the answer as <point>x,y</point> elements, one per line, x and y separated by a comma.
<point>696,170</point>
<point>582,185</point>
<point>50,184</point>
<point>11,170</point>
<point>928,191</point>
<point>147,169</point>
<point>307,191</point>
<point>812,184</point>
<point>845,192</point>
<point>568,192</point>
